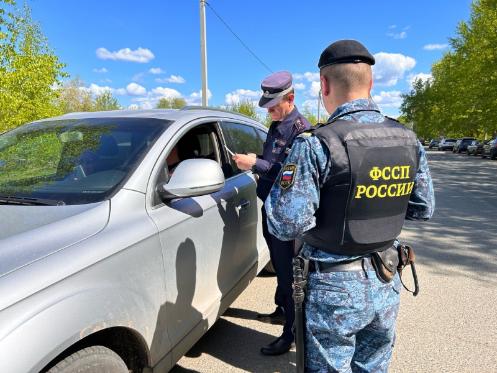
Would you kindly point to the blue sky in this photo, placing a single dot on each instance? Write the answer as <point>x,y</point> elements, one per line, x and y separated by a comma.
<point>150,49</point>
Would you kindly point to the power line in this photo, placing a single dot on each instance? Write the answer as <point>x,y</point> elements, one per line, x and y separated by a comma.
<point>236,36</point>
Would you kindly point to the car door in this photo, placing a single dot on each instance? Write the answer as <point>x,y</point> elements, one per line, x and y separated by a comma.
<point>244,138</point>
<point>200,241</point>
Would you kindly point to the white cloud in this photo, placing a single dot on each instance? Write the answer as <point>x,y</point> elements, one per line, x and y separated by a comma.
<point>390,67</point>
<point>97,90</point>
<point>135,89</point>
<point>433,47</point>
<point>423,76</point>
<point>309,76</point>
<point>196,97</point>
<point>315,88</point>
<point>106,80</point>
<point>141,55</point>
<point>133,107</point>
<point>388,99</point>
<point>156,71</point>
<point>240,94</point>
<point>120,91</point>
<point>398,35</point>
<point>172,79</point>
<point>103,70</point>
<point>391,27</point>
<point>164,92</point>
<point>299,86</point>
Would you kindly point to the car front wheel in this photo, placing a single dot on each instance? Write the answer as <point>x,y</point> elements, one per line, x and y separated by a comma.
<point>95,359</point>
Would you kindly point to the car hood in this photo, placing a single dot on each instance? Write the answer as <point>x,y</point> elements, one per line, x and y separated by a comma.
<point>29,233</point>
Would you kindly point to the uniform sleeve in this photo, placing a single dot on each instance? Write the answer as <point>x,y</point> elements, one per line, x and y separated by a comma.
<point>290,208</point>
<point>422,201</point>
<point>262,166</point>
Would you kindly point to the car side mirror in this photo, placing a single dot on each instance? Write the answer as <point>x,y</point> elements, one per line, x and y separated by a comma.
<point>193,177</point>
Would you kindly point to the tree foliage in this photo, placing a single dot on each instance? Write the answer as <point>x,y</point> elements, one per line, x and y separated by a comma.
<point>171,103</point>
<point>245,107</point>
<point>106,101</point>
<point>73,96</point>
<point>461,97</point>
<point>28,69</point>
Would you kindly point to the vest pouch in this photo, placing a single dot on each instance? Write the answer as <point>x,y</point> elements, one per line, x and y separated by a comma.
<point>385,263</point>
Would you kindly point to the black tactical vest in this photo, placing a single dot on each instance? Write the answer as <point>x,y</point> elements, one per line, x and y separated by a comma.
<point>362,206</point>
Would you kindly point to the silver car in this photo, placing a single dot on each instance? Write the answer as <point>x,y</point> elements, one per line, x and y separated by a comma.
<point>123,236</point>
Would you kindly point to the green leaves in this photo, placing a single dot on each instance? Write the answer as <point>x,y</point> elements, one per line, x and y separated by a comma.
<point>171,103</point>
<point>246,108</point>
<point>460,100</point>
<point>28,70</point>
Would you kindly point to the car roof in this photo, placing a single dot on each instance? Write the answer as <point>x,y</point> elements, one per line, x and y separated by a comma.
<point>185,114</point>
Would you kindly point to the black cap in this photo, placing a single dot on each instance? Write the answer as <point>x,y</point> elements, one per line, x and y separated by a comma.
<point>345,51</point>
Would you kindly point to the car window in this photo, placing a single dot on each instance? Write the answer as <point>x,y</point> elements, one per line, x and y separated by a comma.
<point>242,138</point>
<point>199,142</point>
<point>74,161</point>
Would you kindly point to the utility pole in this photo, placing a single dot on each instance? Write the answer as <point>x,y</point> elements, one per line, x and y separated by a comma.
<point>203,52</point>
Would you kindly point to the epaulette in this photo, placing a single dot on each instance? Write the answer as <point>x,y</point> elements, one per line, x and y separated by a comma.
<point>395,120</point>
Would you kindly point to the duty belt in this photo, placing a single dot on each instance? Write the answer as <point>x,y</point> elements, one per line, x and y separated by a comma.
<point>359,264</point>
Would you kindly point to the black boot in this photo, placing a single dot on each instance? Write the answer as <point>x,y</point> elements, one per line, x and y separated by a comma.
<point>277,317</point>
<point>277,347</point>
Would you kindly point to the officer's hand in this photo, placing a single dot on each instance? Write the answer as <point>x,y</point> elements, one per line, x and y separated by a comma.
<point>244,161</point>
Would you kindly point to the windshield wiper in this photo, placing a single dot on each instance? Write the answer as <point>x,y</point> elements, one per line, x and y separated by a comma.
<point>11,200</point>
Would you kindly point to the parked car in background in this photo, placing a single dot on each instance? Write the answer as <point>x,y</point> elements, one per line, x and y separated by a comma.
<point>490,149</point>
<point>446,144</point>
<point>461,145</point>
<point>124,235</point>
<point>433,144</point>
<point>475,147</point>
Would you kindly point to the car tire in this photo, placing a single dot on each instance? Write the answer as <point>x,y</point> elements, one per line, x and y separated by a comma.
<point>493,155</point>
<point>93,359</point>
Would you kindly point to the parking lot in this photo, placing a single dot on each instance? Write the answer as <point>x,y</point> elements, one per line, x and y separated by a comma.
<point>448,327</point>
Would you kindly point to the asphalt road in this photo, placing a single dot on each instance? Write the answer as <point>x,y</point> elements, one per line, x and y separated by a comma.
<point>451,326</point>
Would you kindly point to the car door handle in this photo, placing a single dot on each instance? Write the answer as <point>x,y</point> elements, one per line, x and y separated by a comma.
<point>244,204</point>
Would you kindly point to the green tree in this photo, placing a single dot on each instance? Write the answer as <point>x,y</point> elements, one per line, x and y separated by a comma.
<point>106,101</point>
<point>28,69</point>
<point>461,99</point>
<point>171,103</point>
<point>245,107</point>
<point>72,97</point>
<point>310,116</point>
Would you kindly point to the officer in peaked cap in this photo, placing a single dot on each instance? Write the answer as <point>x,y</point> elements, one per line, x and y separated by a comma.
<point>278,98</point>
<point>345,189</point>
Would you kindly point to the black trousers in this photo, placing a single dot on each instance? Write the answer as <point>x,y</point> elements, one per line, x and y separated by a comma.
<point>281,253</point>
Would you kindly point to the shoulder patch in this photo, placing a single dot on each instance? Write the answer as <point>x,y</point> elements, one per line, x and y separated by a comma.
<point>299,125</point>
<point>288,175</point>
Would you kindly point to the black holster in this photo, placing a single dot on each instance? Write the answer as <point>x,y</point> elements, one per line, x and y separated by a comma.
<point>394,259</point>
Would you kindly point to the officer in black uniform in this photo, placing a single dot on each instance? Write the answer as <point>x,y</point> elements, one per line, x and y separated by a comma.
<point>278,99</point>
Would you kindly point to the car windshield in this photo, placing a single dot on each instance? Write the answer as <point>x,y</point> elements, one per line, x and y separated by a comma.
<point>72,161</point>
<point>450,140</point>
